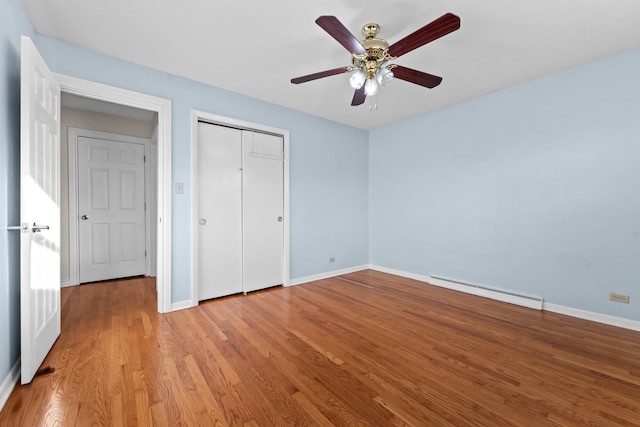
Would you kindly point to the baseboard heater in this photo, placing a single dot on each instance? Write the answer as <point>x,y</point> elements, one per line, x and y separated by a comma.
<point>524,300</point>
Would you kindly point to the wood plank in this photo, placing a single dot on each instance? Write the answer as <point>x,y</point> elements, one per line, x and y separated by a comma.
<point>366,348</point>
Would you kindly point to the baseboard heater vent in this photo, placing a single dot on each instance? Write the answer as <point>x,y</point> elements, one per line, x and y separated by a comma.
<point>524,300</point>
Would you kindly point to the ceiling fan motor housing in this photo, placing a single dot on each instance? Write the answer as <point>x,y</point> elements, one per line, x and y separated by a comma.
<point>377,52</point>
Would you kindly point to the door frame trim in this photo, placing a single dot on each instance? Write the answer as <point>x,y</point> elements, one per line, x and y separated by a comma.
<point>74,234</point>
<point>162,106</point>
<point>197,115</point>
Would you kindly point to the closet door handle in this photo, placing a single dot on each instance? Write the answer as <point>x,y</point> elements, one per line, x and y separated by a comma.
<point>279,219</point>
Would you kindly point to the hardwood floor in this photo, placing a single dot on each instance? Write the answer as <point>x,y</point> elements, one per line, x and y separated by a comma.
<point>364,349</point>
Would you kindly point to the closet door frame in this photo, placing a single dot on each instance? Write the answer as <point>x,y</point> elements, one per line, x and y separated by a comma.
<point>216,119</point>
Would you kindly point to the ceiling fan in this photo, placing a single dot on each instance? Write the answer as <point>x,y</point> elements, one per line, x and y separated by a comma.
<point>370,56</point>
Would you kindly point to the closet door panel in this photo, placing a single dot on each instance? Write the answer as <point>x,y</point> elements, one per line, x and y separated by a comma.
<point>219,211</point>
<point>263,210</point>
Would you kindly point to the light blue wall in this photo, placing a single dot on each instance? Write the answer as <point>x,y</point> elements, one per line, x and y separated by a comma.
<point>13,23</point>
<point>534,188</point>
<point>328,162</point>
<point>329,178</point>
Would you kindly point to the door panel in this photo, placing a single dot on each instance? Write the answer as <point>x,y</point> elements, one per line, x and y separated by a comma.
<point>219,211</point>
<point>263,207</point>
<point>100,253</point>
<point>39,206</point>
<point>111,205</point>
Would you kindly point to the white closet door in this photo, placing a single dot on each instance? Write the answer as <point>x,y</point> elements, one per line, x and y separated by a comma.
<point>219,211</point>
<point>263,210</point>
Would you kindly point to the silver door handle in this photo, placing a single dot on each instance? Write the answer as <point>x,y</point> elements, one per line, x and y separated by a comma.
<point>37,228</point>
<point>203,221</point>
<point>84,217</point>
<point>279,219</point>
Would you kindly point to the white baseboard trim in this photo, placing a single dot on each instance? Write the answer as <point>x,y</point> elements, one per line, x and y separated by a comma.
<point>555,308</point>
<point>327,275</point>
<point>181,305</point>
<point>9,383</point>
<point>66,284</point>
<point>414,276</point>
<point>595,317</point>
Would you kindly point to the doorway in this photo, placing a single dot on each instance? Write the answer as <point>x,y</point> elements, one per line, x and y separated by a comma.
<point>162,221</point>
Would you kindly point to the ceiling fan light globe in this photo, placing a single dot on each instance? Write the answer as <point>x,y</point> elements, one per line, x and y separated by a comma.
<point>357,79</point>
<point>384,76</point>
<point>371,87</point>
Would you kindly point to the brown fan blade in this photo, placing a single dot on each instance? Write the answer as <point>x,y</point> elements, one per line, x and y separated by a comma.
<point>358,97</point>
<point>417,77</point>
<point>319,75</point>
<point>334,27</point>
<point>442,26</point>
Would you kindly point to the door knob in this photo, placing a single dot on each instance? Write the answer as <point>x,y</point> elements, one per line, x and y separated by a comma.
<point>279,219</point>
<point>85,217</point>
<point>203,221</point>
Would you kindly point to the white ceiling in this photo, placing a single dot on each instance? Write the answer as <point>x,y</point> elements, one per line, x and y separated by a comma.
<point>255,47</point>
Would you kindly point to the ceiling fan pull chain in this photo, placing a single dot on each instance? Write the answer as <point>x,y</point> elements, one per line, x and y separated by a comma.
<point>373,103</point>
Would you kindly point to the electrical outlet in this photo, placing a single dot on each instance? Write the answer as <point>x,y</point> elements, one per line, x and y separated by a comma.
<point>332,259</point>
<point>619,297</point>
<point>179,188</point>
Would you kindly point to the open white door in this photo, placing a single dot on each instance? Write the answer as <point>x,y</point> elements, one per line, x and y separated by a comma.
<point>39,209</point>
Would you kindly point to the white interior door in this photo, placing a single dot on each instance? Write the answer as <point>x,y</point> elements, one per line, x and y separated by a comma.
<point>111,206</point>
<point>219,211</point>
<point>39,210</point>
<point>262,210</point>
